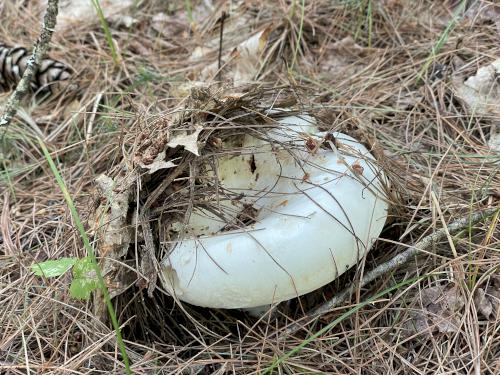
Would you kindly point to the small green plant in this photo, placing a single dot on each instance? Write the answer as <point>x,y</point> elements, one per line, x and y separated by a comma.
<point>86,270</point>
<point>84,277</point>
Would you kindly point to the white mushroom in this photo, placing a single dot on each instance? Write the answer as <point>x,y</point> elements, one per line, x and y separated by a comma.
<point>314,212</point>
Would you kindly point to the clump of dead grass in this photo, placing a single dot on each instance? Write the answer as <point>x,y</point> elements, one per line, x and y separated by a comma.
<point>436,153</point>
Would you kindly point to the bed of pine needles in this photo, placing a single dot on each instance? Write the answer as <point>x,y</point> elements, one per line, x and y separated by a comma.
<point>384,70</point>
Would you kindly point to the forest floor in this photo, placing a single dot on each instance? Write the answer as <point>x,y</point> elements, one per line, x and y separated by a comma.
<point>396,71</point>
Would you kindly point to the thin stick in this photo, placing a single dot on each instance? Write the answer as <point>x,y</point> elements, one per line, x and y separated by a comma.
<point>221,35</point>
<point>400,259</point>
<point>32,65</point>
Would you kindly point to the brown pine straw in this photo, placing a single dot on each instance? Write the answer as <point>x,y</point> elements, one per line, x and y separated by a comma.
<point>399,260</point>
<point>356,70</point>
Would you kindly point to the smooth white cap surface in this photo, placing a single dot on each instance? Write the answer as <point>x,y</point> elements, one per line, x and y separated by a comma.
<point>317,213</point>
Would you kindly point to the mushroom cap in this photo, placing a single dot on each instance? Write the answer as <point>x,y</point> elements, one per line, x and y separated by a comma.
<point>314,212</point>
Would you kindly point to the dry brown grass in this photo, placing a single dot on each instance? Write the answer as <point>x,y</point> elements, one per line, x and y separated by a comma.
<point>434,148</point>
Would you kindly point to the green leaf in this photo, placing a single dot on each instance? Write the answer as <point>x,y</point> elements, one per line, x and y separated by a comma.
<point>82,288</point>
<point>84,279</point>
<point>84,269</point>
<point>90,252</point>
<point>53,268</point>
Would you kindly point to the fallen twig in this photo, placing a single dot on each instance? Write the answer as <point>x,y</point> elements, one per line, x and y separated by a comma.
<point>400,259</point>
<point>39,50</point>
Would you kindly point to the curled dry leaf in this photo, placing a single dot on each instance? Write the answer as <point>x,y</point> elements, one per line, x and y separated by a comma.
<point>343,59</point>
<point>120,20</point>
<point>349,46</point>
<point>188,141</point>
<point>441,309</point>
<point>72,12</point>
<point>169,26</point>
<point>241,65</point>
<point>159,23</point>
<point>487,300</point>
<point>172,25</point>
<point>243,48</point>
<point>481,92</point>
<point>484,11</point>
<point>247,57</point>
<point>483,304</point>
<point>158,163</point>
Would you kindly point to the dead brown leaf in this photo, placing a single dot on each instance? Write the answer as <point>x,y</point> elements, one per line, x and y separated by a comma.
<point>487,301</point>
<point>440,310</point>
<point>343,58</point>
<point>158,163</point>
<point>484,11</point>
<point>483,304</point>
<point>188,141</point>
<point>481,92</point>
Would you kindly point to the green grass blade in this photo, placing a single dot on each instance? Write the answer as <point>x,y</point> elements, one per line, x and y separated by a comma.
<point>328,327</point>
<point>301,27</point>
<point>107,32</point>
<point>369,16</point>
<point>90,254</point>
<point>189,11</point>
<point>441,41</point>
